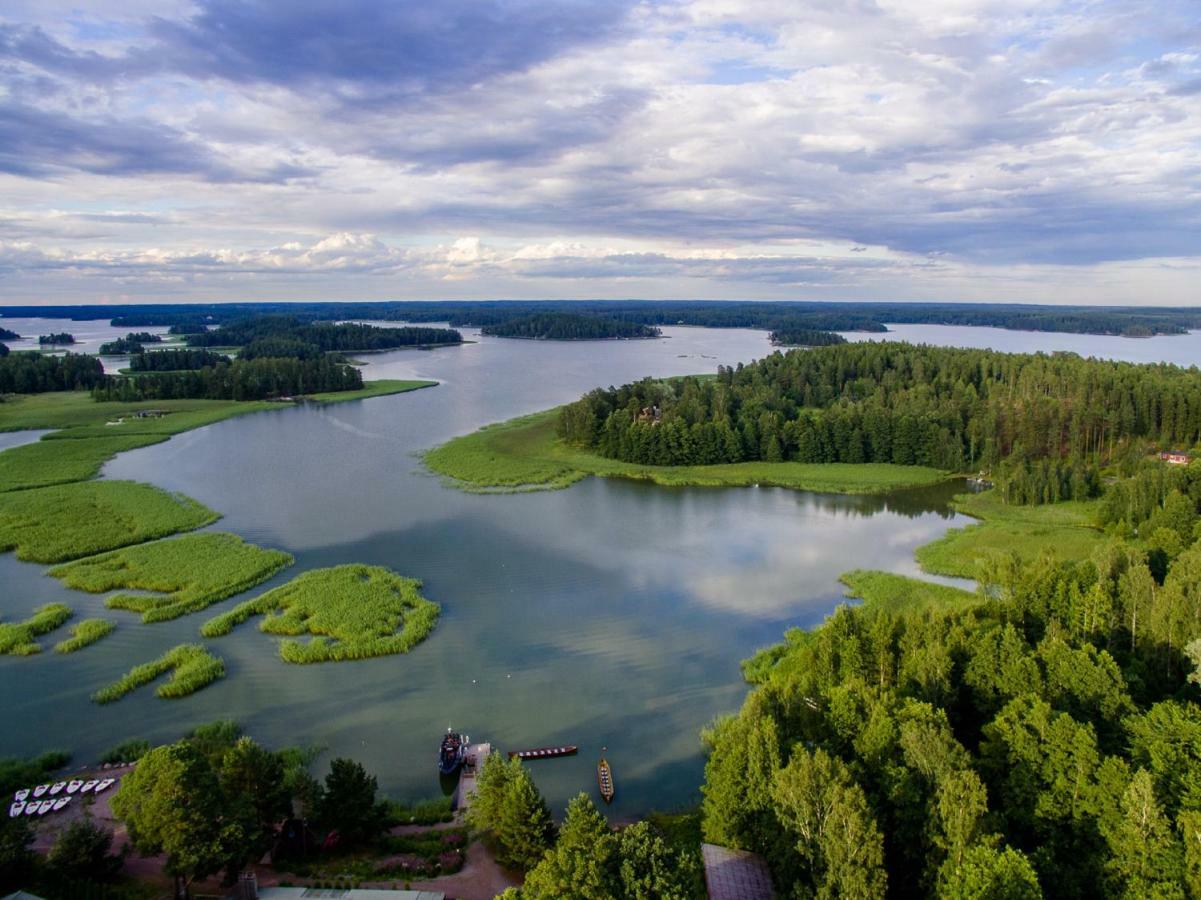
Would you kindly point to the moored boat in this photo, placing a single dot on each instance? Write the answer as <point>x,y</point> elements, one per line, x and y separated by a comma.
<point>604,779</point>
<point>104,785</point>
<point>57,787</point>
<point>22,794</point>
<point>45,806</point>
<point>88,785</point>
<point>61,802</point>
<point>31,808</point>
<point>452,752</point>
<point>40,789</point>
<point>73,786</point>
<point>544,752</point>
<point>16,809</point>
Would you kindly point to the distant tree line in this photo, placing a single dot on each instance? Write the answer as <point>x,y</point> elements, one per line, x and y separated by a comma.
<point>131,343</point>
<point>558,326</point>
<point>898,403</point>
<point>277,347</point>
<point>6,335</point>
<point>60,337</point>
<point>3,349</point>
<point>33,373</point>
<point>256,379</point>
<point>174,360</point>
<point>325,336</point>
<point>792,335</point>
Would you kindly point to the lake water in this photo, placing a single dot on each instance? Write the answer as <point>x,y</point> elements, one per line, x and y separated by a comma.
<point>612,614</point>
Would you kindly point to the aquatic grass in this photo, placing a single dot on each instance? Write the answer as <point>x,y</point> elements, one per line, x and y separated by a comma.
<point>17,638</point>
<point>49,461</point>
<point>892,593</point>
<point>524,454</point>
<point>83,633</point>
<point>352,612</point>
<point>126,751</point>
<point>191,666</point>
<point>64,522</point>
<point>186,573</point>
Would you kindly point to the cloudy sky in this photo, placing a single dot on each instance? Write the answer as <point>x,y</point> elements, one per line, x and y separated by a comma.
<point>1027,150</point>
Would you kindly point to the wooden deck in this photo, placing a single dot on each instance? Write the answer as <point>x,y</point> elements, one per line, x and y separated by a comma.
<point>472,763</point>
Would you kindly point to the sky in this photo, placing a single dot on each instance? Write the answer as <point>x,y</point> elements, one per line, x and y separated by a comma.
<point>1003,150</point>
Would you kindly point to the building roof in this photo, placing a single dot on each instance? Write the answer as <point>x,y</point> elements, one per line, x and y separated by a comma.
<point>735,874</point>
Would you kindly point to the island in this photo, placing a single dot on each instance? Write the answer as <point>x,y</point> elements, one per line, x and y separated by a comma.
<point>57,339</point>
<point>562,326</point>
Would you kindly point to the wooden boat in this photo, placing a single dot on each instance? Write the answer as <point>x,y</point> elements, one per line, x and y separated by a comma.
<point>45,806</point>
<point>57,787</point>
<point>22,794</point>
<point>61,802</point>
<point>40,789</point>
<point>73,786</point>
<point>104,785</point>
<point>16,809</point>
<point>604,779</point>
<point>544,752</point>
<point>88,785</point>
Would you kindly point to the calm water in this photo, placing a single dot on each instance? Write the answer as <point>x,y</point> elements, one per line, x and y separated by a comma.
<point>610,614</point>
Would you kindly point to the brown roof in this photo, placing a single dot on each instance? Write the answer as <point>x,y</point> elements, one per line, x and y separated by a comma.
<point>735,874</point>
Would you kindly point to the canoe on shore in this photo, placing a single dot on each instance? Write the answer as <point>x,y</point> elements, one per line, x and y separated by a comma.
<point>604,779</point>
<point>544,752</point>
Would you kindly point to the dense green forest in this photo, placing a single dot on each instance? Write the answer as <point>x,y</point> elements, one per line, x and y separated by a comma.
<point>326,336</point>
<point>174,360</point>
<point>59,337</point>
<point>257,379</point>
<point>33,373</point>
<point>277,347</point>
<point>3,350</point>
<point>561,326</point>
<point>131,343</point>
<point>798,336</point>
<point>6,335</point>
<point>1040,421</point>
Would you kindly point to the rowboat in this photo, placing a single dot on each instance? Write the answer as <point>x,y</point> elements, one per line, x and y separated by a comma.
<point>56,787</point>
<point>31,808</point>
<point>604,779</point>
<point>104,785</point>
<point>45,806</point>
<point>40,789</point>
<point>22,794</point>
<point>73,786</point>
<point>544,752</point>
<point>16,809</point>
<point>88,785</point>
<point>61,802</point>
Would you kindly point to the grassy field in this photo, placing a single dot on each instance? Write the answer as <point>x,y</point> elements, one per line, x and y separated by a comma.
<point>1066,529</point>
<point>17,638</point>
<point>186,573</point>
<point>898,593</point>
<point>351,611</point>
<point>380,388</point>
<point>191,666</point>
<point>83,633</point>
<point>69,521</point>
<point>524,454</point>
<point>76,409</point>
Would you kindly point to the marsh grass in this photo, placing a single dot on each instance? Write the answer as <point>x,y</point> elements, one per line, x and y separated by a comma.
<point>524,454</point>
<point>50,461</point>
<point>191,666</point>
<point>186,573</point>
<point>888,592</point>
<point>69,521</point>
<point>351,611</point>
<point>17,638</point>
<point>83,633</point>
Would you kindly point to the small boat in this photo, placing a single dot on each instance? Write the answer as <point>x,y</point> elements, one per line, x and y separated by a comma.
<point>57,787</point>
<point>45,806</point>
<point>40,789</point>
<point>104,785</point>
<point>450,756</point>
<point>61,803</point>
<point>604,779</point>
<point>88,785</point>
<point>16,809</point>
<point>544,752</point>
<point>73,786</point>
<point>31,808</point>
<point>22,794</point>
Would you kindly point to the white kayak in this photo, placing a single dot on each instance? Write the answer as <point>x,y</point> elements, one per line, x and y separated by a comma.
<point>56,787</point>
<point>88,785</point>
<point>73,786</point>
<point>31,808</point>
<point>61,802</point>
<point>16,809</point>
<point>21,795</point>
<point>40,789</point>
<point>104,785</point>
<point>45,806</point>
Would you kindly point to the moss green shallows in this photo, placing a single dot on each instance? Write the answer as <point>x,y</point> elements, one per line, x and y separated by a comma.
<point>69,521</point>
<point>84,632</point>
<point>524,454</point>
<point>192,667</point>
<point>352,611</point>
<point>17,638</point>
<point>885,591</point>
<point>187,573</point>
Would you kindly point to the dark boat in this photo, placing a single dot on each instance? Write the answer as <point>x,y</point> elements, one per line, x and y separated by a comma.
<point>604,779</point>
<point>454,749</point>
<point>544,752</point>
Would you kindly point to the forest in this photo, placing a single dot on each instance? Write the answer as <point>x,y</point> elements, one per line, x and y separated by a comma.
<point>131,343</point>
<point>6,335</point>
<point>561,326</point>
<point>792,335</point>
<point>59,337</point>
<point>1049,420</point>
<point>174,360</point>
<point>326,336</point>
<point>257,379</point>
<point>32,373</point>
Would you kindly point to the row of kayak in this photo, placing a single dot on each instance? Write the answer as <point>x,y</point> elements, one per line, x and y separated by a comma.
<point>38,808</point>
<point>77,786</point>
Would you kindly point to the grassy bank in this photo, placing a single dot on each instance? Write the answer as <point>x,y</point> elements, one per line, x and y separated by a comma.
<point>524,454</point>
<point>69,521</point>
<point>191,667</point>
<point>899,593</point>
<point>18,638</point>
<point>351,612</point>
<point>1066,529</point>
<point>370,389</point>
<point>83,633</point>
<point>186,573</point>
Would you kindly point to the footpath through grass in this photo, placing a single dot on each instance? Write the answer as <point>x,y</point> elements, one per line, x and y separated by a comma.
<point>524,454</point>
<point>187,573</point>
<point>1066,529</point>
<point>352,612</point>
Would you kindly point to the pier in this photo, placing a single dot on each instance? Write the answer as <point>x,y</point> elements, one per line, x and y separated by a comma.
<point>472,763</point>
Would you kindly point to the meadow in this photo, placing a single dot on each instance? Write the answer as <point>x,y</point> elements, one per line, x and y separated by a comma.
<point>83,633</point>
<point>191,666</point>
<point>1066,529</point>
<point>525,454</point>
<point>351,612</point>
<point>17,638</point>
<point>186,573</point>
<point>69,521</point>
<point>887,592</point>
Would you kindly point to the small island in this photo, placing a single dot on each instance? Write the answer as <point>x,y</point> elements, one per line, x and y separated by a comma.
<point>562,326</point>
<point>60,338</point>
<point>798,336</point>
<point>132,343</point>
<point>6,335</point>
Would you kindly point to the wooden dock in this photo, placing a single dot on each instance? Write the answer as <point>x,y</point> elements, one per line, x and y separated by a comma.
<point>473,761</point>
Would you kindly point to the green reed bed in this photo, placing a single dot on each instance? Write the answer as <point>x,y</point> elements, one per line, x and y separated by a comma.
<point>59,461</point>
<point>83,633</point>
<point>351,611</point>
<point>70,521</point>
<point>191,666</point>
<point>17,638</point>
<point>187,573</point>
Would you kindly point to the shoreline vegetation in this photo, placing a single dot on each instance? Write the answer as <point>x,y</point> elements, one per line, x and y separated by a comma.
<point>18,638</point>
<point>524,454</point>
<point>192,667</point>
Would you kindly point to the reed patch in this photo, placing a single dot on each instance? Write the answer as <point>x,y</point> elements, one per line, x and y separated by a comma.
<point>18,638</point>
<point>83,633</point>
<point>191,666</point>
